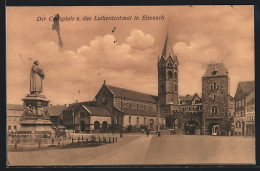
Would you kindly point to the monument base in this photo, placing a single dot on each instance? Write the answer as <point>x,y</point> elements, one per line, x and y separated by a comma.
<point>35,126</point>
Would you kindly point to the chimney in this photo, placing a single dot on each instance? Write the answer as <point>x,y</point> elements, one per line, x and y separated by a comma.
<point>76,101</point>
<point>65,105</point>
<point>104,82</point>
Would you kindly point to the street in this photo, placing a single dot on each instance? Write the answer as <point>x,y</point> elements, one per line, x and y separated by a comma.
<point>138,149</point>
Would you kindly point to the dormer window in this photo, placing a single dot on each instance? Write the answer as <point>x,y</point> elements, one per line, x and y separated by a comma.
<point>214,71</point>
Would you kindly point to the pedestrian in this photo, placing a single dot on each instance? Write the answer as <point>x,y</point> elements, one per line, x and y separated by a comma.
<point>147,132</point>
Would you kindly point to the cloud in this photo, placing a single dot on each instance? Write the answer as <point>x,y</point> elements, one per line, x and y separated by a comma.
<point>139,40</point>
<point>68,71</point>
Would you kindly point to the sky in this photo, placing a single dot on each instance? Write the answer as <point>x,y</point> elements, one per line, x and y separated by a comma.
<point>199,34</point>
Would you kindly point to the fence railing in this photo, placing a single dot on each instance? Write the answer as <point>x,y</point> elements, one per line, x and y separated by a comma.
<point>27,141</point>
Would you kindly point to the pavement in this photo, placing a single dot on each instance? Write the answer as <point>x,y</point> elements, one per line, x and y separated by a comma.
<point>138,149</point>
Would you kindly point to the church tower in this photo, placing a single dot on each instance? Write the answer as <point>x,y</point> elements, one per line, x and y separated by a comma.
<point>168,75</point>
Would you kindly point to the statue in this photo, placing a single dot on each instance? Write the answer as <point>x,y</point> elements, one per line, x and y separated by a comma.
<point>36,78</point>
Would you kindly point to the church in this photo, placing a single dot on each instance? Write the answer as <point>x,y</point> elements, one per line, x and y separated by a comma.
<point>116,108</point>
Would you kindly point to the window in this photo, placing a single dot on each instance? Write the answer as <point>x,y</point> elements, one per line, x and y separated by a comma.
<point>117,119</point>
<point>169,75</point>
<point>15,127</point>
<point>162,87</point>
<point>130,119</point>
<point>214,110</point>
<point>175,75</point>
<point>243,113</point>
<point>176,88</point>
<point>104,101</point>
<point>137,120</point>
<point>214,97</point>
<point>9,127</point>
<point>144,120</point>
<point>82,114</point>
<point>238,125</point>
<point>130,105</point>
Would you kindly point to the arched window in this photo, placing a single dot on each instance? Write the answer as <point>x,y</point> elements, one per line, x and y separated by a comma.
<point>214,110</point>
<point>169,75</point>
<point>175,75</point>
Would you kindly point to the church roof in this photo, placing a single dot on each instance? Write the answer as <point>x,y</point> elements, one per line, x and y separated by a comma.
<point>167,49</point>
<point>130,94</point>
<point>135,112</point>
<point>217,69</point>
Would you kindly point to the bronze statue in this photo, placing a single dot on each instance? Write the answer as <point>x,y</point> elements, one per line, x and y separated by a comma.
<point>36,78</point>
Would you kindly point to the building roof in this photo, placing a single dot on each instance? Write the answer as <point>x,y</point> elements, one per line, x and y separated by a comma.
<point>135,112</point>
<point>55,110</point>
<point>76,106</point>
<point>186,98</point>
<point>97,111</point>
<point>130,94</point>
<point>14,107</point>
<point>167,49</point>
<point>251,102</point>
<point>214,70</point>
<point>247,86</point>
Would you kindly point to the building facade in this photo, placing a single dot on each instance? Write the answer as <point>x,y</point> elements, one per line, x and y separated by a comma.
<point>250,114</point>
<point>241,99</point>
<point>215,99</point>
<point>14,113</point>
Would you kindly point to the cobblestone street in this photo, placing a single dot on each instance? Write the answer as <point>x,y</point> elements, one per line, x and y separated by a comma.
<point>136,149</point>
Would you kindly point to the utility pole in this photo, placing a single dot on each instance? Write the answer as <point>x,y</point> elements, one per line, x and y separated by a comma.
<point>121,130</point>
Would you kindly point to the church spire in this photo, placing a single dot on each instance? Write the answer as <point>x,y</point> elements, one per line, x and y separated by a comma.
<point>167,49</point>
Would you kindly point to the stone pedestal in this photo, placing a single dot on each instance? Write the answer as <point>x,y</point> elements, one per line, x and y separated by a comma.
<point>36,117</point>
